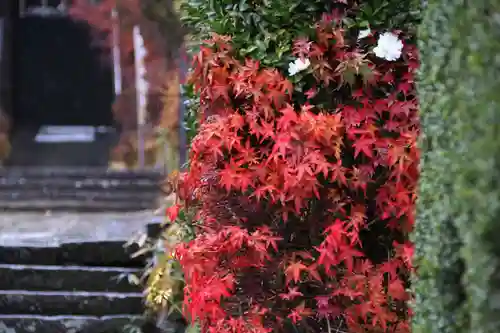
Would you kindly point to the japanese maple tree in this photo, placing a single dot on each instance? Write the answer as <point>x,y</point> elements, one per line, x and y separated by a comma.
<point>304,187</point>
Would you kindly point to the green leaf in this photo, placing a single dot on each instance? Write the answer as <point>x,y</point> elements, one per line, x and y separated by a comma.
<point>243,5</point>
<point>193,328</point>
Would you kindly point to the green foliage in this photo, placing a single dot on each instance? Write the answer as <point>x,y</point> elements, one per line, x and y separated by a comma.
<point>383,14</point>
<point>260,29</point>
<point>458,284</point>
<point>265,29</point>
<point>192,105</point>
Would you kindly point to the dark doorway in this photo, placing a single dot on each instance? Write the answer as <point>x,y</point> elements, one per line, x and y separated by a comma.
<point>59,78</point>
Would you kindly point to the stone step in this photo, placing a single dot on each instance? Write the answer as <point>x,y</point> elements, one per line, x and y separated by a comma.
<point>137,184</point>
<point>66,278</point>
<point>14,302</point>
<point>77,190</point>
<point>83,324</point>
<point>72,172</point>
<point>96,254</point>
<point>76,205</point>
<point>66,324</point>
<point>83,194</point>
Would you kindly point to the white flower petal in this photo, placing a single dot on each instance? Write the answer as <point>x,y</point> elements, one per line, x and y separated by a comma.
<point>388,47</point>
<point>302,64</point>
<point>298,65</point>
<point>364,33</point>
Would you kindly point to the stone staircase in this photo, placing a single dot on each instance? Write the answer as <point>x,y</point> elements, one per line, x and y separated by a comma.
<point>62,236</point>
<point>78,287</point>
<point>77,189</point>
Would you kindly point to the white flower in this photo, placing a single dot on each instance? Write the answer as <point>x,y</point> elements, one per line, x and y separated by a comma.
<point>364,33</point>
<point>298,65</point>
<point>388,47</point>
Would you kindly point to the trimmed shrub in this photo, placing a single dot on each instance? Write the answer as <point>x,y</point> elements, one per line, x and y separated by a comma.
<point>457,252</point>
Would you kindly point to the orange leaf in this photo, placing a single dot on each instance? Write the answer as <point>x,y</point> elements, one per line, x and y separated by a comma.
<point>293,271</point>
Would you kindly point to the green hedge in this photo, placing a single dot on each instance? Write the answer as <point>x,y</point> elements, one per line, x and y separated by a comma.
<point>457,251</point>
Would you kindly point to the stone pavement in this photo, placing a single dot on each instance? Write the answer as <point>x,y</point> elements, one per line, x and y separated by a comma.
<point>54,229</point>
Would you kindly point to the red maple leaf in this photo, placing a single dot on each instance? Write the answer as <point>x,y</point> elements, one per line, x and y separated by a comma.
<point>311,93</point>
<point>293,271</point>
<point>364,145</point>
<point>291,294</point>
<point>302,47</point>
<point>172,212</point>
<point>299,312</point>
<point>288,119</point>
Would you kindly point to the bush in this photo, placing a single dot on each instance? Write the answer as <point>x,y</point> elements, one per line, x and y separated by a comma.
<point>456,247</point>
<point>265,30</point>
<point>303,170</point>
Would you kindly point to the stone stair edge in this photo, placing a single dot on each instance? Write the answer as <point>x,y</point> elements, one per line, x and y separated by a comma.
<point>21,323</point>
<point>68,317</point>
<point>70,268</point>
<point>108,294</point>
<point>56,278</point>
<point>59,245</point>
<point>64,239</point>
<point>88,324</point>
<point>77,171</point>
<point>76,254</point>
<point>70,303</point>
<point>76,206</point>
<point>82,193</point>
<point>20,183</point>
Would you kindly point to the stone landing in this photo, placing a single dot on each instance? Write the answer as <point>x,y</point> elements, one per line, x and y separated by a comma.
<point>53,229</point>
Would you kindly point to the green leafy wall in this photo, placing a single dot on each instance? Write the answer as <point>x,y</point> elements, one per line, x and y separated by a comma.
<point>457,250</point>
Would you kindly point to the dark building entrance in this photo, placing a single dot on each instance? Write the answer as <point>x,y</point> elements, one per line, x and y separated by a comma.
<point>59,78</point>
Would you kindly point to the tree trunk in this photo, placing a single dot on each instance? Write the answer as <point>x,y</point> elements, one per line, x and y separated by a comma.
<point>457,251</point>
